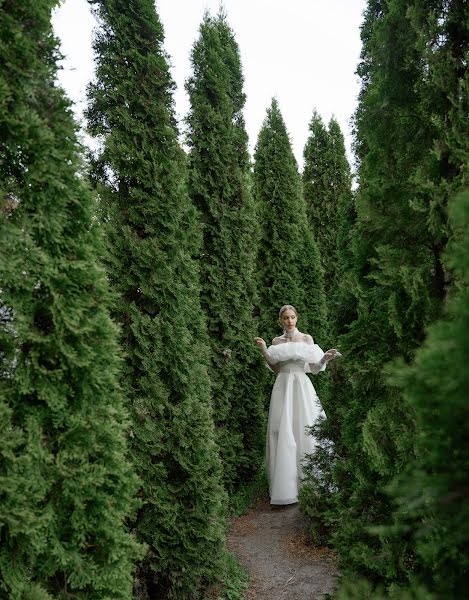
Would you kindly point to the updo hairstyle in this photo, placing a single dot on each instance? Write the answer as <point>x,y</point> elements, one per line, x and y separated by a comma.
<point>287,307</point>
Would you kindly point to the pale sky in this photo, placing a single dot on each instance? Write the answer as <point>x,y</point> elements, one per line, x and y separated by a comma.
<point>303,52</point>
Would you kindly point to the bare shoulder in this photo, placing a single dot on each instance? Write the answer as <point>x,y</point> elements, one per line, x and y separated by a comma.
<point>276,340</point>
<point>308,338</point>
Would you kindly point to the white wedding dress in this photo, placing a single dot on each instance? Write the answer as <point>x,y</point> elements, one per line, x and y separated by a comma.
<point>294,406</point>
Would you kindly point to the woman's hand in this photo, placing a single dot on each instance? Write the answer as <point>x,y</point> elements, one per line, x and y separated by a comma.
<point>329,355</point>
<point>260,343</point>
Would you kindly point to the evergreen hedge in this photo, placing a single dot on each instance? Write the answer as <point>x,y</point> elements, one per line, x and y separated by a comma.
<point>288,261</point>
<point>393,272</point>
<point>430,495</point>
<point>412,157</point>
<point>219,188</point>
<point>289,269</point>
<point>153,239</point>
<point>330,207</point>
<point>66,485</point>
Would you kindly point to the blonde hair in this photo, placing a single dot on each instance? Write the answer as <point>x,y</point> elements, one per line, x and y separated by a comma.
<point>285,308</point>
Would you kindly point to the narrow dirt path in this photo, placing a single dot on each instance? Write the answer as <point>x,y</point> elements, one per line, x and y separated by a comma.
<point>272,545</point>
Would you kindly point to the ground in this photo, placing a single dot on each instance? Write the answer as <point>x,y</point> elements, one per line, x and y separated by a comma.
<point>271,543</point>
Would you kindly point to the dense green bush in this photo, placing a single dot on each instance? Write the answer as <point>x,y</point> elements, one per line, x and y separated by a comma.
<point>412,156</point>
<point>66,485</point>
<point>153,239</point>
<point>327,188</point>
<point>429,496</point>
<point>219,188</point>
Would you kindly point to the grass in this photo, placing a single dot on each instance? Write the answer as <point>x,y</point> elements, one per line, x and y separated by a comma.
<point>236,583</point>
<point>248,494</point>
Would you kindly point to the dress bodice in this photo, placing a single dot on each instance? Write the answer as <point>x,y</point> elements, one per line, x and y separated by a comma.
<point>291,366</point>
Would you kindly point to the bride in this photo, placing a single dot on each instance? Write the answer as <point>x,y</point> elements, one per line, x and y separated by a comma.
<point>294,405</point>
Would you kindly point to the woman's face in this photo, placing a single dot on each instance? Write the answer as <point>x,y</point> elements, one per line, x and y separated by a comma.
<point>288,320</point>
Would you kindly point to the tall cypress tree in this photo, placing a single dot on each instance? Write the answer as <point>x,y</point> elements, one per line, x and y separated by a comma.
<point>406,169</point>
<point>288,262</point>
<point>331,214</point>
<point>320,202</point>
<point>219,188</point>
<point>394,272</point>
<point>327,191</point>
<point>66,485</point>
<point>430,494</point>
<point>340,303</point>
<point>153,237</point>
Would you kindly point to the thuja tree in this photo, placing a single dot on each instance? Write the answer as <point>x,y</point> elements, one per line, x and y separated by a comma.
<point>315,173</point>
<point>394,275</point>
<point>328,196</point>
<point>66,484</point>
<point>435,483</point>
<point>218,186</point>
<point>152,239</point>
<point>331,214</point>
<point>431,493</point>
<point>442,40</point>
<point>289,267</point>
<point>407,164</point>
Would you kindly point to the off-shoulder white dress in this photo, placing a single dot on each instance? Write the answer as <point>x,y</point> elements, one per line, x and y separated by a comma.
<point>294,406</point>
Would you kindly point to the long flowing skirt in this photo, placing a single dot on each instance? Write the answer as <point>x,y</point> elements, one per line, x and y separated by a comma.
<point>294,406</point>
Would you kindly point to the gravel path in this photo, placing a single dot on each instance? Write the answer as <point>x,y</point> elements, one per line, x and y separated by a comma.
<point>272,545</point>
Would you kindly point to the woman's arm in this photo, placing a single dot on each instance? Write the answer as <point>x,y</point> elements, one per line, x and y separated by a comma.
<point>321,365</point>
<point>260,343</point>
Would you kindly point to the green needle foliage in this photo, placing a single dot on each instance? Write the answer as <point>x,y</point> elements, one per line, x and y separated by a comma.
<point>153,237</point>
<point>327,186</point>
<point>432,493</point>
<point>66,485</point>
<point>330,207</point>
<point>316,176</point>
<point>394,271</point>
<point>288,262</point>
<point>328,196</point>
<point>412,157</point>
<point>219,188</point>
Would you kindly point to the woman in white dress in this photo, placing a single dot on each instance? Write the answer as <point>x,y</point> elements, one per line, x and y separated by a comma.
<point>294,405</point>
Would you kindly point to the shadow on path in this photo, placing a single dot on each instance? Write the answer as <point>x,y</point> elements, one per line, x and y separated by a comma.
<point>272,545</point>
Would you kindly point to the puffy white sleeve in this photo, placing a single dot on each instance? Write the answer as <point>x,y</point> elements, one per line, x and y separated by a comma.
<point>315,365</point>
<point>310,354</point>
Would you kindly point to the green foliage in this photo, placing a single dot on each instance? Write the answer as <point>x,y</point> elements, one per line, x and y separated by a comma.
<point>236,582</point>
<point>409,164</point>
<point>327,188</point>
<point>376,426</point>
<point>442,41</point>
<point>316,496</point>
<point>288,263</point>
<point>218,186</point>
<point>249,494</point>
<point>432,491</point>
<point>65,483</point>
<point>363,590</point>
<point>153,237</point>
<point>331,214</point>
